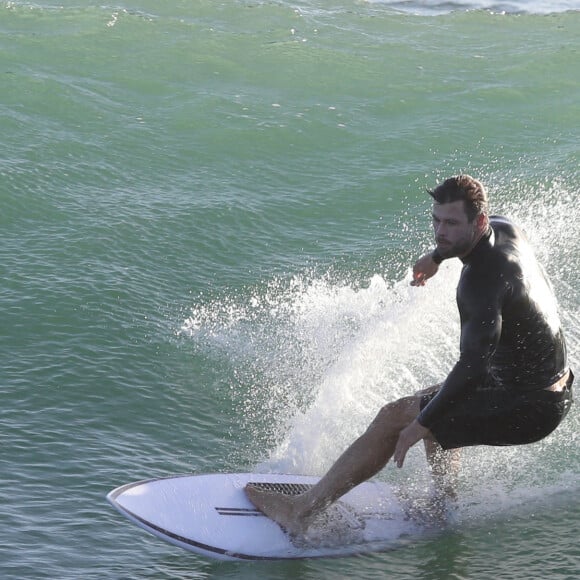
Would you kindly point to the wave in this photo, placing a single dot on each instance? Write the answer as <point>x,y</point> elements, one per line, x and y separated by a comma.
<point>435,7</point>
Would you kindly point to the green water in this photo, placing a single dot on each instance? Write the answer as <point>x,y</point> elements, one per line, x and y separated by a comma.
<point>208,211</point>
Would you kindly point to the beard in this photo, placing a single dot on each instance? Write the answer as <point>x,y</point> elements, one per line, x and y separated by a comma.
<point>458,249</point>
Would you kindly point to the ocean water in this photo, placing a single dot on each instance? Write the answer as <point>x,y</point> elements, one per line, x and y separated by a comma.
<point>208,214</point>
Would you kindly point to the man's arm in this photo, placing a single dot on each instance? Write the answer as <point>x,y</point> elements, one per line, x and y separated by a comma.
<point>426,267</point>
<point>480,334</point>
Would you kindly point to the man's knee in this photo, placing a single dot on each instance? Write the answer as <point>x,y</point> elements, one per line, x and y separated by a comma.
<point>398,414</point>
<point>428,390</point>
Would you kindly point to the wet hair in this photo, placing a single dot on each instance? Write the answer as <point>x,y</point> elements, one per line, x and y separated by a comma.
<point>466,188</point>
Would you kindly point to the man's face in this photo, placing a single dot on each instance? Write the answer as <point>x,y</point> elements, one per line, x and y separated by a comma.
<point>454,235</point>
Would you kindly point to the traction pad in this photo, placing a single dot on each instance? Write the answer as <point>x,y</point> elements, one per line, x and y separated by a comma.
<point>285,488</point>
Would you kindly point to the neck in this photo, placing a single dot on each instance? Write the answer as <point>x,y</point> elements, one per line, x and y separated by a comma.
<point>485,232</point>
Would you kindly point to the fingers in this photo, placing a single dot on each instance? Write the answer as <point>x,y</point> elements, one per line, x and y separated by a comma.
<point>424,269</point>
<point>399,456</point>
<point>401,449</point>
<point>419,278</point>
<point>407,438</point>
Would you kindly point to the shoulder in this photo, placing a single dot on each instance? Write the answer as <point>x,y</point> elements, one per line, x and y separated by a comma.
<point>510,247</point>
<point>506,228</point>
<point>501,221</point>
<point>499,268</point>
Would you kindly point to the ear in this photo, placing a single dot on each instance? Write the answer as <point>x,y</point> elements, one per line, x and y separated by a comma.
<point>482,221</point>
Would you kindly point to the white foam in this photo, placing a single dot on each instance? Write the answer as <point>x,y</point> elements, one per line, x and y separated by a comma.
<point>322,357</point>
<point>428,7</point>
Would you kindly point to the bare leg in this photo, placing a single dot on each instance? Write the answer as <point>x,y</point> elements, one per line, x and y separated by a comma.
<point>363,459</point>
<point>444,465</point>
<point>444,468</point>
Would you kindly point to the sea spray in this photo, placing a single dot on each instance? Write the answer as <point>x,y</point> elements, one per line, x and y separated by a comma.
<point>320,358</point>
<point>316,358</point>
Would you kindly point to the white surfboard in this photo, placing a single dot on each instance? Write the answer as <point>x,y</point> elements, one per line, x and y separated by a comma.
<point>210,515</point>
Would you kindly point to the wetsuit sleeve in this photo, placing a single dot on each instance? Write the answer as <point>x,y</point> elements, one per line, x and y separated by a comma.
<point>481,321</point>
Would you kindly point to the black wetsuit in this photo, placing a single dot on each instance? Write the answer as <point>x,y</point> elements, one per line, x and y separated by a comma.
<point>512,347</point>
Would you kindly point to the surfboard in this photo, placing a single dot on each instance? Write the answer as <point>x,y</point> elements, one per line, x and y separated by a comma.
<point>211,515</point>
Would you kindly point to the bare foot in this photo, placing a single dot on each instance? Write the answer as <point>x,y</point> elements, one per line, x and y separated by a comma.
<point>445,488</point>
<point>283,509</point>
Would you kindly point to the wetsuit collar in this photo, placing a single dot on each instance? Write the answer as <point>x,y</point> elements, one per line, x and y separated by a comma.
<point>486,241</point>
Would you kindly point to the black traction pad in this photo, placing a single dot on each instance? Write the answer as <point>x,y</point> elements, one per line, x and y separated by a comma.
<point>285,488</point>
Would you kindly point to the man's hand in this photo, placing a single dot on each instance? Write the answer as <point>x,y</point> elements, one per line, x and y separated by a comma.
<point>424,269</point>
<point>410,435</point>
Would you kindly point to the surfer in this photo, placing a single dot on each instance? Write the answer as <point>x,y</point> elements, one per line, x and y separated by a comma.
<point>510,386</point>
